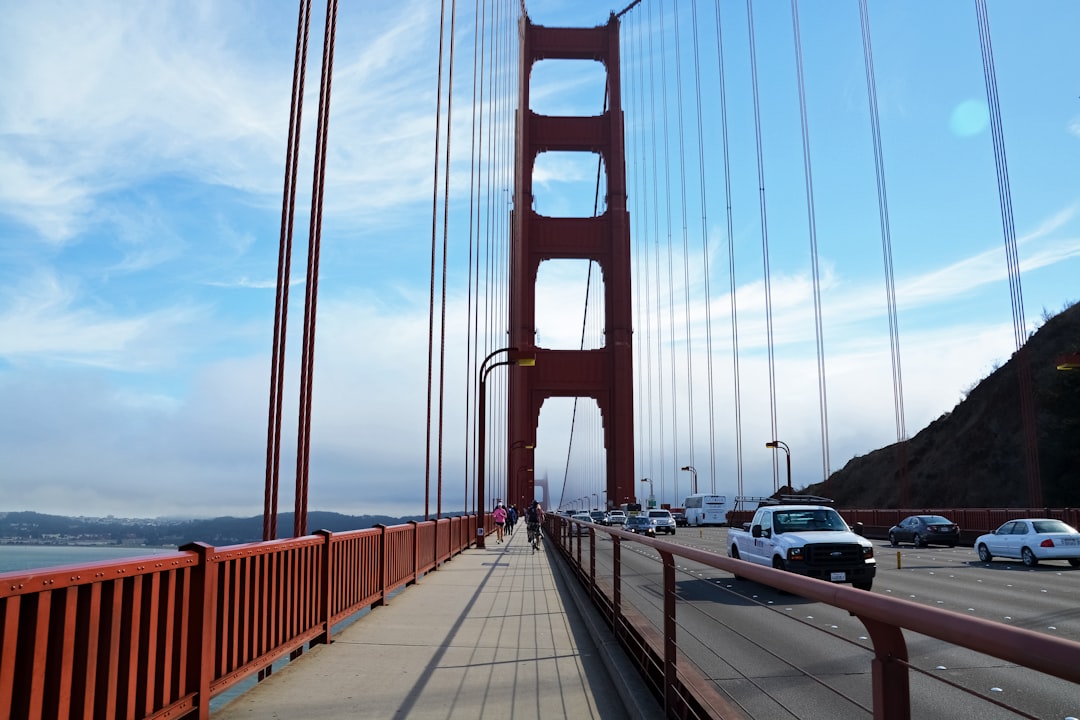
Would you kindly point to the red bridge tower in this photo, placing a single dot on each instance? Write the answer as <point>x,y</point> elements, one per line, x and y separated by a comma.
<point>605,374</point>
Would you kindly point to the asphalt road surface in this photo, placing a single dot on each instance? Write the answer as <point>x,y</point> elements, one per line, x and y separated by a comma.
<point>780,656</point>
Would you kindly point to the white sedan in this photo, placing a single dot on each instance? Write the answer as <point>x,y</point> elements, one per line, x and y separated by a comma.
<point>580,528</point>
<point>1031,540</point>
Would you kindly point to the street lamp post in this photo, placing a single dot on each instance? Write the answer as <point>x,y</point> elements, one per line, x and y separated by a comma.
<point>652,498</point>
<point>596,501</point>
<point>481,418</point>
<point>787,451</point>
<point>693,473</point>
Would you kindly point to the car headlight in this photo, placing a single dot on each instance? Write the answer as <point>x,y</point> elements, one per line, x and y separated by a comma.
<point>867,552</point>
<point>795,554</point>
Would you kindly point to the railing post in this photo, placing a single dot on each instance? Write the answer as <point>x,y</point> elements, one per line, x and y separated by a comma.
<point>891,691</point>
<point>326,577</point>
<point>203,626</point>
<point>416,549</point>
<point>670,648</point>
<point>593,590</point>
<point>616,583</point>
<point>384,569</point>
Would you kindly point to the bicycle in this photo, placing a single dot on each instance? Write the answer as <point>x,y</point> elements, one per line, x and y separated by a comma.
<point>534,535</point>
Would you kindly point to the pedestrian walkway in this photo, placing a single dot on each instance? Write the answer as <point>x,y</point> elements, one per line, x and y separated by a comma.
<point>496,633</point>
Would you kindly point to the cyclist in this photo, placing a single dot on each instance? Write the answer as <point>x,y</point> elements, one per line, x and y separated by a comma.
<point>534,515</point>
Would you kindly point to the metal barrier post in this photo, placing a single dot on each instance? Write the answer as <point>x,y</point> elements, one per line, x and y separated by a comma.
<point>670,647</point>
<point>326,574</point>
<point>891,692</point>
<point>203,629</point>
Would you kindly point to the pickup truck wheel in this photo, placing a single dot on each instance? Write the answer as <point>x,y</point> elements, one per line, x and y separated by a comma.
<point>779,565</point>
<point>735,555</point>
<point>863,585</point>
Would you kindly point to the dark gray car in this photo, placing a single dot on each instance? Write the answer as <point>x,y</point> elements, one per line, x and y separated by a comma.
<point>641,524</point>
<point>923,530</point>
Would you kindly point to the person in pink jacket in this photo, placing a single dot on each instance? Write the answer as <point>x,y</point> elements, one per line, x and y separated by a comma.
<point>500,520</point>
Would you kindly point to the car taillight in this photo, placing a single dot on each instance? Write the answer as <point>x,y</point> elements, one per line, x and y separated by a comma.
<point>1047,543</point>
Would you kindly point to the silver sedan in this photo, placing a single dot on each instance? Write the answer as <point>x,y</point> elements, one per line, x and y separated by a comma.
<point>1031,540</point>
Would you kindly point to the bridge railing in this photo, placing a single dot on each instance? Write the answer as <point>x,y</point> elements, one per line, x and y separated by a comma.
<point>159,636</point>
<point>687,693</point>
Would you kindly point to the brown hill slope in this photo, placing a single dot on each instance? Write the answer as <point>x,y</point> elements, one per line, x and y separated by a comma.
<point>974,455</point>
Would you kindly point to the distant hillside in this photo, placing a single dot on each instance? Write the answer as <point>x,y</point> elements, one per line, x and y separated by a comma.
<point>38,527</point>
<point>974,456</point>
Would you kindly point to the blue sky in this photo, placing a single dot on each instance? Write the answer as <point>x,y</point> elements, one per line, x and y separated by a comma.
<point>141,163</point>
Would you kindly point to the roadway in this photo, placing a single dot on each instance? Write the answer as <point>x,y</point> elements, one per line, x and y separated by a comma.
<point>781,656</point>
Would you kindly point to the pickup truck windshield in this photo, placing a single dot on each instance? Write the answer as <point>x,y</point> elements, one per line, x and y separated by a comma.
<point>807,520</point>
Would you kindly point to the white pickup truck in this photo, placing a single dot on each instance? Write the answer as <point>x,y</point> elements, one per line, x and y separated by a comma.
<point>811,540</point>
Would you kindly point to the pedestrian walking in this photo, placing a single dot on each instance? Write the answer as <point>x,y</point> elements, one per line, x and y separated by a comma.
<point>500,520</point>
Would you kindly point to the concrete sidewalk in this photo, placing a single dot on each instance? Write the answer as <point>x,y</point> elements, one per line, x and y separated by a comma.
<point>496,633</point>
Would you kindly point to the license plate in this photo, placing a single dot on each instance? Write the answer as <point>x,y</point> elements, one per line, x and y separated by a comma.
<point>838,577</point>
<point>1068,541</point>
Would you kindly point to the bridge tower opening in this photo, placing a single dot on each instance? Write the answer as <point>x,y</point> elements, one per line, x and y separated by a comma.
<point>604,373</point>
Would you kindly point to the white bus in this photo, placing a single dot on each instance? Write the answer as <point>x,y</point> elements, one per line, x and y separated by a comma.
<point>704,509</point>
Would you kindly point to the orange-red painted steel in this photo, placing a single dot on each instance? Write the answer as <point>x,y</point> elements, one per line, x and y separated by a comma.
<point>158,637</point>
<point>604,374</point>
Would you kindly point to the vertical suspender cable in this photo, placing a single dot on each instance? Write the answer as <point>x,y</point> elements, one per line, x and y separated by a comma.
<point>764,237</point>
<point>685,257</point>
<point>823,406</point>
<point>434,251</point>
<point>445,251</point>
<point>656,246</point>
<point>670,264</point>
<point>887,256</point>
<point>281,301</point>
<point>732,287</point>
<point>471,368</point>
<point>477,19</point>
<point>644,349</point>
<point>487,321</point>
<point>1027,401</point>
<point>585,312</point>
<point>705,257</point>
<point>303,445</point>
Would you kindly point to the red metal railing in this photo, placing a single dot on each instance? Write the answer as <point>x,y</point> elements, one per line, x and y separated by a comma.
<point>158,637</point>
<point>686,693</point>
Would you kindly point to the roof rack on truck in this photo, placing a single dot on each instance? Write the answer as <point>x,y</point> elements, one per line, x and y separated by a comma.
<point>797,500</point>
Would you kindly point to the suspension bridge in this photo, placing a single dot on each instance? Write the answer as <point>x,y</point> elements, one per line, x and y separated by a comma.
<point>644,281</point>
